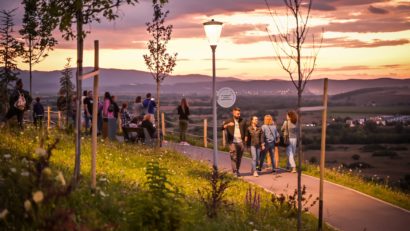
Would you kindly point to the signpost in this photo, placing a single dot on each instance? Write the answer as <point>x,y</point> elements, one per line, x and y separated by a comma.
<point>226,97</point>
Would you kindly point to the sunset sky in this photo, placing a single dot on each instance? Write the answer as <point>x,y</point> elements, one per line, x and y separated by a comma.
<point>362,38</point>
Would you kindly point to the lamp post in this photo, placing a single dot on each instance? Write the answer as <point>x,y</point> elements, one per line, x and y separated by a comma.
<point>213,32</point>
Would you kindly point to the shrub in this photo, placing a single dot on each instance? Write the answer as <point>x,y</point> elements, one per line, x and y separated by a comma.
<point>288,204</point>
<point>359,165</point>
<point>356,157</point>
<point>160,207</point>
<point>214,198</point>
<point>372,148</point>
<point>398,148</point>
<point>387,153</point>
<point>313,160</point>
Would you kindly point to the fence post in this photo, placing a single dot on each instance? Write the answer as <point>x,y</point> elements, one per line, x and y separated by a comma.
<point>223,136</point>
<point>205,133</point>
<point>48,117</point>
<point>59,119</point>
<point>163,123</point>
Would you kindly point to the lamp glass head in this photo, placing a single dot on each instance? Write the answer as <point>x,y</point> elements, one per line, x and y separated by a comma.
<point>213,31</point>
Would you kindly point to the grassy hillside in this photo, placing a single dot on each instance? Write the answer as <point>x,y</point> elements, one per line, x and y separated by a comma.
<point>137,189</point>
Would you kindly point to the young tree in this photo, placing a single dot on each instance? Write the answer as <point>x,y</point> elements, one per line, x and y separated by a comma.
<point>290,42</point>
<point>67,87</point>
<point>37,34</point>
<point>63,14</point>
<point>159,62</point>
<point>10,49</point>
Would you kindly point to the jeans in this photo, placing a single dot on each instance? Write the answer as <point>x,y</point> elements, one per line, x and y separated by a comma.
<point>15,112</point>
<point>269,147</point>
<point>291,152</point>
<point>255,151</point>
<point>236,152</point>
<point>112,128</point>
<point>88,122</point>
<point>183,126</point>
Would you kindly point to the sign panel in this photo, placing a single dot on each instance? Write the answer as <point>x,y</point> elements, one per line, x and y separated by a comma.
<point>226,97</point>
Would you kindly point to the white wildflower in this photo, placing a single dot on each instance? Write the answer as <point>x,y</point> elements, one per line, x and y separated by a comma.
<point>40,152</point>
<point>3,214</point>
<point>38,196</point>
<point>13,169</point>
<point>60,177</point>
<point>27,205</point>
<point>7,156</point>
<point>251,222</point>
<point>103,194</point>
<point>25,173</point>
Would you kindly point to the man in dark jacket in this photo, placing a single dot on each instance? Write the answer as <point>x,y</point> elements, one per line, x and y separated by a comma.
<point>38,113</point>
<point>236,129</point>
<point>16,105</point>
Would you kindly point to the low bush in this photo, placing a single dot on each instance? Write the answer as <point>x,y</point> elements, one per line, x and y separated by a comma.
<point>386,153</point>
<point>356,157</point>
<point>372,148</point>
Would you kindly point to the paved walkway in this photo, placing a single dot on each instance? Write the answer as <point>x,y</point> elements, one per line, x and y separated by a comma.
<point>344,209</point>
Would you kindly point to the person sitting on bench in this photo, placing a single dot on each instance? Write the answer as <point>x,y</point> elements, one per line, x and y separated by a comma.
<point>146,123</point>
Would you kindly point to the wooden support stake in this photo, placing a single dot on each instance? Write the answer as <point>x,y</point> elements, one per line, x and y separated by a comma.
<point>322,153</point>
<point>163,123</point>
<point>94,118</point>
<point>224,138</point>
<point>48,117</point>
<point>205,133</point>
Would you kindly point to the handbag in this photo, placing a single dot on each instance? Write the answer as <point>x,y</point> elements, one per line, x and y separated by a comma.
<point>284,140</point>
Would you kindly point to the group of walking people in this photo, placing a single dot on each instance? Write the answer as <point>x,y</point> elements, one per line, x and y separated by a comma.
<point>261,139</point>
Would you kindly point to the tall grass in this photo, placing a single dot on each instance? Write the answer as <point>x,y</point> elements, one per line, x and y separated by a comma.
<point>124,192</point>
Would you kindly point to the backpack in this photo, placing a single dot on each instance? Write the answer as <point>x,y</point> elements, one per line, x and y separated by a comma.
<point>21,102</point>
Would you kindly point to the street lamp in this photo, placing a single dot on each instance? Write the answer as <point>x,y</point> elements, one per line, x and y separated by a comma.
<point>213,32</point>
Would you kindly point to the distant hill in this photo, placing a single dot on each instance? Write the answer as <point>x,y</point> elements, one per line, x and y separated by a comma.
<point>126,82</point>
<point>377,96</point>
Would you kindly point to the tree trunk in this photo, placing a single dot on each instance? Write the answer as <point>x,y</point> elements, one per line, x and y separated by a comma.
<point>30,63</point>
<point>158,119</point>
<point>80,45</point>
<point>299,147</point>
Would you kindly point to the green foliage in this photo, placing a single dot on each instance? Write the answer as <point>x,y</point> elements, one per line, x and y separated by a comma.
<point>10,50</point>
<point>37,34</point>
<point>287,204</point>
<point>356,157</point>
<point>214,198</point>
<point>387,153</point>
<point>123,195</point>
<point>161,203</point>
<point>159,62</point>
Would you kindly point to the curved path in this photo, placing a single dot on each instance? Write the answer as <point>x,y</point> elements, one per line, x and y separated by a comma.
<point>344,208</point>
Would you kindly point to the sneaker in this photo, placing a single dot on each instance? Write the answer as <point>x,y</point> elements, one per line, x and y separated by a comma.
<point>255,174</point>
<point>293,170</point>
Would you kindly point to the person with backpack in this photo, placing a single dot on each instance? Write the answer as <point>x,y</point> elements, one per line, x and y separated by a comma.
<point>270,138</point>
<point>38,113</point>
<point>149,107</point>
<point>19,102</point>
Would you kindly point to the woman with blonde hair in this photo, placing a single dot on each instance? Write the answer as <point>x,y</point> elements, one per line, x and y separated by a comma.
<point>271,136</point>
<point>290,132</point>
